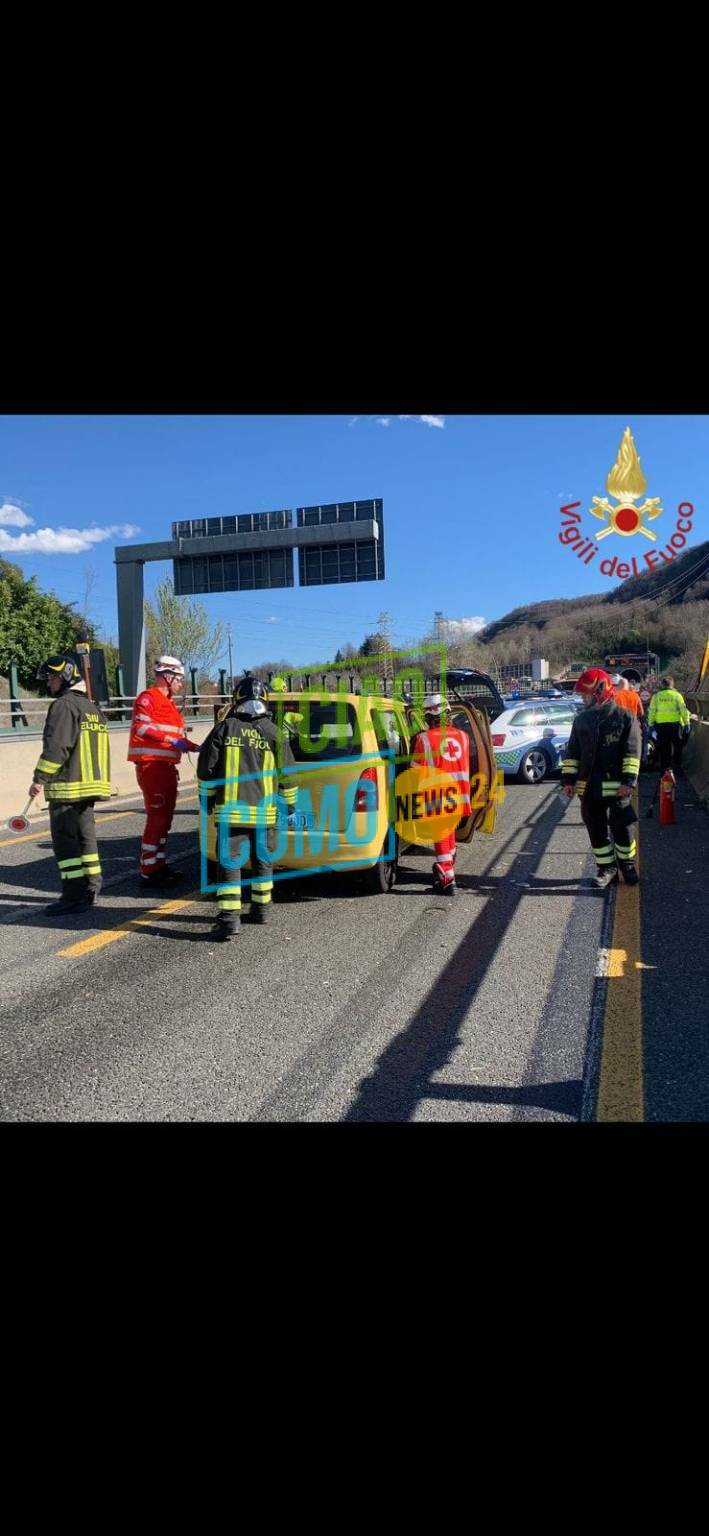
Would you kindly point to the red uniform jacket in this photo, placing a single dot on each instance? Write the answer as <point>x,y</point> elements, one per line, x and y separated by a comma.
<point>155,727</point>
<point>446,749</point>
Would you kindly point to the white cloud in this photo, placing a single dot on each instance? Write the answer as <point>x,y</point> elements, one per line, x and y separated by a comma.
<point>273,620</point>
<point>385,421</point>
<point>428,421</point>
<point>12,516</point>
<point>61,541</point>
<point>453,628</point>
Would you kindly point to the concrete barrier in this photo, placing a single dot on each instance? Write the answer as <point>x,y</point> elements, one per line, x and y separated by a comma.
<point>18,759</point>
<point>695,758</point>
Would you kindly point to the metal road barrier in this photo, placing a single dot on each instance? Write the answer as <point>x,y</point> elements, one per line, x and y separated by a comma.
<point>118,710</point>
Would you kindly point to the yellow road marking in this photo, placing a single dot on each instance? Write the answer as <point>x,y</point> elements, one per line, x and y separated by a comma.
<point>146,920</point>
<point>620,1089</point>
<point>31,837</point>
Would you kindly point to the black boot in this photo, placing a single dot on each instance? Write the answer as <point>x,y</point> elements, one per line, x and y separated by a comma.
<point>223,932</point>
<point>628,871</point>
<point>160,880</point>
<point>260,911</point>
<point>64,907</point>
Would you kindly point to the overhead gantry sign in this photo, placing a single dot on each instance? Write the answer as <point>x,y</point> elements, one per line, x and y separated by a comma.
<point>337,543</point>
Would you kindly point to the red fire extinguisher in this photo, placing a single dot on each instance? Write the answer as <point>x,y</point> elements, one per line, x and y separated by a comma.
<point>667,799</point>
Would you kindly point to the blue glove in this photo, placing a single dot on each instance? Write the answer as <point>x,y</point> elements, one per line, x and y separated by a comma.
<point>186,746</point>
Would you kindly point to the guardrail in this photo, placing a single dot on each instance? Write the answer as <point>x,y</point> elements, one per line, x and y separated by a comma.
<point>30,714</point>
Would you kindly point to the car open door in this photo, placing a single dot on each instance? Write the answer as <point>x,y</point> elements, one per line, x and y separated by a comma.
<point>487,781</point>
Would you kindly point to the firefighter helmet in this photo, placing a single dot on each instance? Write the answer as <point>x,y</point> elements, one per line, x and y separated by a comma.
<point>596,682</point>
<point>249,696</point>
<point>61,666</point>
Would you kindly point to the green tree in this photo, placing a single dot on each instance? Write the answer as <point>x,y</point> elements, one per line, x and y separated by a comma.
<point>33,624</point>
<point>373,645</point>
<point>179,626</point>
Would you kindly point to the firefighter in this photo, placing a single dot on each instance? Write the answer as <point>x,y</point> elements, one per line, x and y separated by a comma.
<point>158,738</point>
<point>602,764</point>
<point>74,771</point>
<point>669,717</point>
<point>246,752</point>
<point>446,749</point>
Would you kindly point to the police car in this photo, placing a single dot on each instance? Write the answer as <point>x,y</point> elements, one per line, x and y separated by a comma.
<point>530,737</point>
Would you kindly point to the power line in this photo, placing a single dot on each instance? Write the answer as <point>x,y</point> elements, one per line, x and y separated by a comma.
<point>680,584</point>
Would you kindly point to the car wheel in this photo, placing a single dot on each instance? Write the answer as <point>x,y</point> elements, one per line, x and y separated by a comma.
<point>534,766</point>
<point>382,876</point>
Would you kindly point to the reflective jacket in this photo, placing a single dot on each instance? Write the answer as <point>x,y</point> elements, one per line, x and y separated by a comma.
<point>667,707</point>
<point>603,751</point>
<point>446,749</point>
<point>251,758</point>
<point>627,698</point>
<point>156,726</point>
<point>75,762</point>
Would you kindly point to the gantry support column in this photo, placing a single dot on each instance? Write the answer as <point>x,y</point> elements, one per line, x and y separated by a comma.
<point>131,623</point>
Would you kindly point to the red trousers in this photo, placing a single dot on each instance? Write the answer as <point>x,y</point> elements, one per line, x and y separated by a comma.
<point>444,863</point>
<point>158,782</point>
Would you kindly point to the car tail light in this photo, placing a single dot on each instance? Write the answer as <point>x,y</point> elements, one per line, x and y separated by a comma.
<point>497,741</point>
<point>367,799</point>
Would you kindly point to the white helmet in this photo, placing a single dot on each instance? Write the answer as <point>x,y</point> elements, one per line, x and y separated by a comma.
<point>169,664</point>
<point>617,680</point>
<point>434,704</point>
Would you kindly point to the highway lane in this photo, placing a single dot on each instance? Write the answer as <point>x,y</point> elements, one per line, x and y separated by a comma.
<point>346,1007</point>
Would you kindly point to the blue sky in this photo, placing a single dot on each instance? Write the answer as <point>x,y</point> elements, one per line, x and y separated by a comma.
<point>471,507</point>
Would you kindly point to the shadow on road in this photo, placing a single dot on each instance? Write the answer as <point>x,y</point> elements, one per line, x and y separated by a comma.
<point>402,1077</point>
<point>561,1098</point>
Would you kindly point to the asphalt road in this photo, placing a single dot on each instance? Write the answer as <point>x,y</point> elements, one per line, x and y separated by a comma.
<point>346,1006</point>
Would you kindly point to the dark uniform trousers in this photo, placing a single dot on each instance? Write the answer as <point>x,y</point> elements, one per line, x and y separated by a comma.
<point>599,814</point>
<point>669,745</point>
<point>73,831</point>
<point>229,881</point>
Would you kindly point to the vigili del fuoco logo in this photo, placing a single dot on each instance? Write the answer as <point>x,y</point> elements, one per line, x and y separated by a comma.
<point>626,483</point>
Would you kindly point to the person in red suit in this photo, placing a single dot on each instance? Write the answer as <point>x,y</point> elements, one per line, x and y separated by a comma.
<point>158,738</point>
<point>446,749</point>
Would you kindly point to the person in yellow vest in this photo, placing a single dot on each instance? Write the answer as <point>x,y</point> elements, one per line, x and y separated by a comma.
<point>669,717</point>
<point>74,771</point>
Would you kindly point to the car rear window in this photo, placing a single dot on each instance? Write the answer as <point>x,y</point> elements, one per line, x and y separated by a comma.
<point>326,732</point>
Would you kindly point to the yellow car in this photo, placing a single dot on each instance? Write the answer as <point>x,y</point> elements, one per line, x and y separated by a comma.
<point>350,752</point>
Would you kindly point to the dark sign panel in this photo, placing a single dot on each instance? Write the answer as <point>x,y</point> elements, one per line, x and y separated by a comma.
<point>341,512</point>
<point>245,571</point>
<point>226,527</point>
<point>322,564</point>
